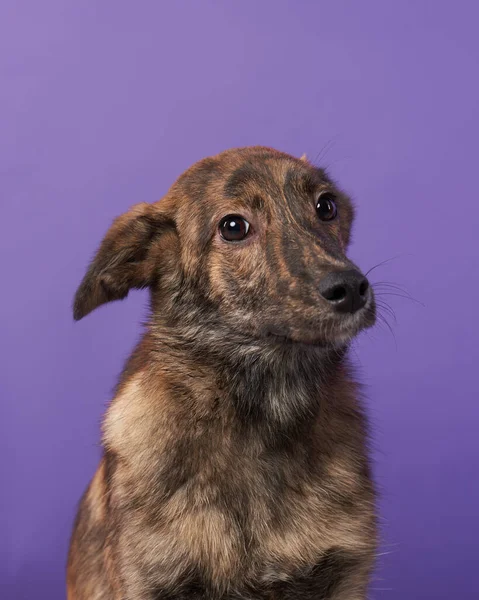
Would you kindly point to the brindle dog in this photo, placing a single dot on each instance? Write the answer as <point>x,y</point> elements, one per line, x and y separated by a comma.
<point>235,458</point>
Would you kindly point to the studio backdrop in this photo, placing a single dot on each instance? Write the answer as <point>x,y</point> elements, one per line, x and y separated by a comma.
<point>104,104</point>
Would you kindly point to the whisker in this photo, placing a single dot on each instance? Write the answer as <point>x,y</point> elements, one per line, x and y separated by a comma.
<point>324,150</point>
<point>381,302</point>
<point>384,306</point>
<point>328,166</point>
<point>380,294</point>
<point>354,349</point>
<point>384,321</point>
<point>389,284</point>
<point>384,262</point>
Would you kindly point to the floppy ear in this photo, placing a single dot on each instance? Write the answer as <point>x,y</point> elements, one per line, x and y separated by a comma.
<point>123,260</point>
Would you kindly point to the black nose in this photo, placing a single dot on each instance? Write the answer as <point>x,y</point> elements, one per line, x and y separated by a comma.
<point>347,291</point>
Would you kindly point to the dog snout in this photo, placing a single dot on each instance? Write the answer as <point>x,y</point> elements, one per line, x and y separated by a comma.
<point>346,291</point>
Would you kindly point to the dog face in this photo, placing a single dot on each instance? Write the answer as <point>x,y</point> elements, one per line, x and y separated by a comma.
<point>251,242</point>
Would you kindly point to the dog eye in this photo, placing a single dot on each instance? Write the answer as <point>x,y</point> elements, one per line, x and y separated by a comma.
<point>233,228</point>
<point>326,207</point>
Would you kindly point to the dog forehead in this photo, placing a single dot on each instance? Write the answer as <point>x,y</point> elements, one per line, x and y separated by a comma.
<point>257,168</point>
<point>253,174</point>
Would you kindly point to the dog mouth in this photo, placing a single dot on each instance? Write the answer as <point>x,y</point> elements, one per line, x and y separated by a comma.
<point>334,332</point>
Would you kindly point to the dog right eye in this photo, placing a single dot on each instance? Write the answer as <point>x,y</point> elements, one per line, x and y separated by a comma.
<point>233,228</point>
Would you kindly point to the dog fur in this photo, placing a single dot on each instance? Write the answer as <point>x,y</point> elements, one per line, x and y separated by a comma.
<point>235,461</point>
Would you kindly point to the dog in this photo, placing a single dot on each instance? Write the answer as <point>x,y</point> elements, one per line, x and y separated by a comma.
<point>235,462</point>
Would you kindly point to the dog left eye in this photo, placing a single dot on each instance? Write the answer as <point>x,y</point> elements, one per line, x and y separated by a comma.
<point>234,228</point>
<point>326,207</point>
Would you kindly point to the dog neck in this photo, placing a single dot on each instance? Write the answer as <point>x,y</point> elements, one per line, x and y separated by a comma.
<point>276,386</point>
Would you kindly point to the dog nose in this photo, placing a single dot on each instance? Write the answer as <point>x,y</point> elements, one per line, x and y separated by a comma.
<point>346,291</point>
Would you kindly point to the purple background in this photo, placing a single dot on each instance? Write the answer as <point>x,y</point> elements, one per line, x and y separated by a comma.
<point>104,104</point>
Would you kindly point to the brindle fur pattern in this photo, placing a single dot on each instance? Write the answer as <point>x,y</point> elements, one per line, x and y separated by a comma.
<point>235,448</point>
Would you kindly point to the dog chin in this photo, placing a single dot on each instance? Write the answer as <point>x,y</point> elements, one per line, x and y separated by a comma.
<point>334,335</point>
<point>318,343</point>
<point>349,328</point>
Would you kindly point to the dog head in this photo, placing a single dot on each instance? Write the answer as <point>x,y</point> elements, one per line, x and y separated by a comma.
<point>251,242</point>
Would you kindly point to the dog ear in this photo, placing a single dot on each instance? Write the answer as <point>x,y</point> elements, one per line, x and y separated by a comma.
<point>304,158</point>
<point>123,260</point>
